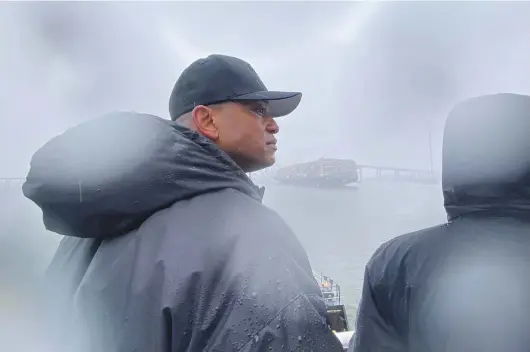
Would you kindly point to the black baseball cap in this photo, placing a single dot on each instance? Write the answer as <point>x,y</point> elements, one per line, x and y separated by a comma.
<point>220,78</point>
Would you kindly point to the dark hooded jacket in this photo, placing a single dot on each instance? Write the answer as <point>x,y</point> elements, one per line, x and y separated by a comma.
<point>168,246</point>
<point>462,286</point>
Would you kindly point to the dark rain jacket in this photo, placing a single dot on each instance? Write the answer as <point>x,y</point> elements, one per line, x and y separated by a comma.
<point>168,246</point>
<point>463,286</point>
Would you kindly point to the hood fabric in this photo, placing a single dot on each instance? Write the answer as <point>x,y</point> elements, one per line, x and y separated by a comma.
<point>105,177</point>
<point>486,157</point>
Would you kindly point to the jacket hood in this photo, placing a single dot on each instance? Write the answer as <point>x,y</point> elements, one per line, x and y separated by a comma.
<point>104,177</point>
<point>486,156</point>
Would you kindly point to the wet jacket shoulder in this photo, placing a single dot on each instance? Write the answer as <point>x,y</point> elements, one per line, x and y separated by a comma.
<point>168,247</point>
<point>458,286</point>
<point>383,313</point>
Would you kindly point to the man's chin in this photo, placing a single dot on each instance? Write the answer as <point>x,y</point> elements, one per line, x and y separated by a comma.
<point>271,160</point>
<point>263,164</point>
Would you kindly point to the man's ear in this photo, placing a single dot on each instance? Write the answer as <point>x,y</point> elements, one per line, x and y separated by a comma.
<point>204,122</point>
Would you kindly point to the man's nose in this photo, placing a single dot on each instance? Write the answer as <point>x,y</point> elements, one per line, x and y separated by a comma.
<point>272,126</point>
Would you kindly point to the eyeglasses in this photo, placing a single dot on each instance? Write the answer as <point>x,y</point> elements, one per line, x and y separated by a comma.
<point>258,109</point>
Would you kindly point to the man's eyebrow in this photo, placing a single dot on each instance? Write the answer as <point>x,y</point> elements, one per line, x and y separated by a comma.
<point>255,104</point>
<point>262,103</point>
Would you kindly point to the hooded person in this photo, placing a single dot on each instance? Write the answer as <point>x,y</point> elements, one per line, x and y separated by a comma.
<point>167,244</point>
<point>462,286</point>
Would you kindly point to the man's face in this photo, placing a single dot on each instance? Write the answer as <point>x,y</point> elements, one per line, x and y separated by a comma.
<point>246,133</point>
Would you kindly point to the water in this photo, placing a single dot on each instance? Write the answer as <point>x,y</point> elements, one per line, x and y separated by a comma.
<point>339,228</point>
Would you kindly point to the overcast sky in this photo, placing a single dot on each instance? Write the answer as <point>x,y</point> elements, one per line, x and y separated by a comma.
<point>376,77</point>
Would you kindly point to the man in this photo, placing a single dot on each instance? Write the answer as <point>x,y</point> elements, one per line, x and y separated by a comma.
<point>462,286</point>
<point>168,246</point>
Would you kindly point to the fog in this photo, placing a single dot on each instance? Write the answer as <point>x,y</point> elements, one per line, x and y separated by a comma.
<point>377,77</point>
<point>374,75</point>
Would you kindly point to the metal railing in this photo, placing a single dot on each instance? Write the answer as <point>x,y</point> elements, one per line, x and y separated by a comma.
<point>10,183</point>
<point>330,289</point>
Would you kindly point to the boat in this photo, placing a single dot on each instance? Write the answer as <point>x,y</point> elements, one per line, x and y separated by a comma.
<point>336,311</point>
<point>324,172</point>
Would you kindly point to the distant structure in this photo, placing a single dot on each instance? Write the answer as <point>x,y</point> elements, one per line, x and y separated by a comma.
<point>327,172</point>
<point>11,184</point>
<point>371,172</point>
<point>324,172</point>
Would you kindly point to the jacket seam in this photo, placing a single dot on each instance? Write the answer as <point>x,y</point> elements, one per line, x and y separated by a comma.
<point>275,316</point>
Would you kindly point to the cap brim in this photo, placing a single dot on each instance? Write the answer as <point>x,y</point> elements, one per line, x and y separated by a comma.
<point>280,103</point>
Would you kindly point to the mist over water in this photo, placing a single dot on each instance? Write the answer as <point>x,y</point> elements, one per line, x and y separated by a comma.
<point>340,229</point>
